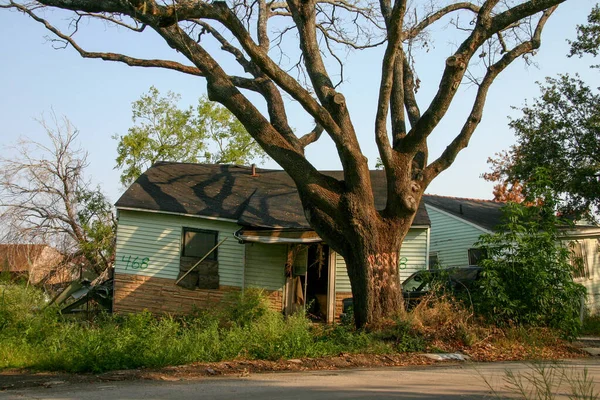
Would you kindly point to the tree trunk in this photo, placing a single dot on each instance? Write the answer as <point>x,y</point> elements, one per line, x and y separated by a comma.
<point>372,265</point>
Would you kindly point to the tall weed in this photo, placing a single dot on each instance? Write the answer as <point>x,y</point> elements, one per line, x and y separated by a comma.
<point>39,338</point>
<point>545,381</point>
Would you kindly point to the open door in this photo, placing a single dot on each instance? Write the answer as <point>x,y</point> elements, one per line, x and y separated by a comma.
<point>310,282</point>
<point>317,282</point>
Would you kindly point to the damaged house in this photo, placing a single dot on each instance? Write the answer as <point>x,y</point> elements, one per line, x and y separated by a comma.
<point>39,264</point>
<point>189,233</point>
<point>457,223</point>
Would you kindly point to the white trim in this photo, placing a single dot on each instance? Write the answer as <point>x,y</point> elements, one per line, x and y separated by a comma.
<point>331,288</point>
<point>273,239</point>
<point>176,213</point>
<point>580,233</point>
<point>420,227</point>
<point>459,219</point>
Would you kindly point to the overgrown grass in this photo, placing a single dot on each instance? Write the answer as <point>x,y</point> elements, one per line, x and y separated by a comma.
<point>591,325</point>
<point>34,336</point>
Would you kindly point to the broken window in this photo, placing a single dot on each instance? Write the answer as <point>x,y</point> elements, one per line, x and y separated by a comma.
<point>198,264</point>
<point>198,242</point>
<point>476,255</point>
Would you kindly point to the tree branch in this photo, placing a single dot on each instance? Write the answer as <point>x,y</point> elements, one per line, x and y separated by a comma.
<point>462,140</point>
<point>456,65</point>
<point>427,21</point>
<point>311,137</point>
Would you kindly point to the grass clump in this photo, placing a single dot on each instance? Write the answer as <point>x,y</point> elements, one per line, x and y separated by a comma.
<point>591,325</point>
<point>545,381</point>
<point>38,337</point>
<point>33,336</point>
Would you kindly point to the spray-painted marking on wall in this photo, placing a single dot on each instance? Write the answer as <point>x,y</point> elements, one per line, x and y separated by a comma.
<point>403,263</point>
<point>136,263</point>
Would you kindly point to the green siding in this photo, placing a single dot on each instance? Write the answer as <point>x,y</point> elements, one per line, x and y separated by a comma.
<point>157,237</point>
<point>413,254</point>
<point>265,265</point>
<point>451,238</point>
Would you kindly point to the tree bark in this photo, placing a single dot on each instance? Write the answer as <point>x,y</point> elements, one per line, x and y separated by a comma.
<point>374,275</point>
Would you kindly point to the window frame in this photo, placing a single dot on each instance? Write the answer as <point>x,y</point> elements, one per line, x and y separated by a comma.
<point>477,253</point>
<point>214,256</point>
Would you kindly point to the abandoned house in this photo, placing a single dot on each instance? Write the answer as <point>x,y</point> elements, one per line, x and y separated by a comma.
<point>39,264</point>
<point>252,219</point>
<point>457,223</point>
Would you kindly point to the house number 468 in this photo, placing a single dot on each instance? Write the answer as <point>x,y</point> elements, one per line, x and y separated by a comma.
<point>136,263</point>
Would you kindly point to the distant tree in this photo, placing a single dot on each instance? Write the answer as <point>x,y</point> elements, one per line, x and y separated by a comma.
<point>504,190</point>
<point>560,131</point>
<point>45,198</point>
<point>588,36</point>
<point>164,132</point>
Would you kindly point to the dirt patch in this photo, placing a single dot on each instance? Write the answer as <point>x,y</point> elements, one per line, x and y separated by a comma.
<point>18,379</point>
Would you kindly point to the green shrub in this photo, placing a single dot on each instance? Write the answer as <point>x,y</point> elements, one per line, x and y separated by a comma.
<point>527,278</point>
<point>244,308</point>
<point>403,337</point>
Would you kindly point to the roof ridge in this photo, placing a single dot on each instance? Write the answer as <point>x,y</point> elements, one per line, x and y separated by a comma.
<point>465,198</point>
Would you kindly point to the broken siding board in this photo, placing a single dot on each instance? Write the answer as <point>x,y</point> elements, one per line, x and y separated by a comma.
<point>157,237</point>
<point>452,238</point>
<point>413,257</point>
<point>265,265</point>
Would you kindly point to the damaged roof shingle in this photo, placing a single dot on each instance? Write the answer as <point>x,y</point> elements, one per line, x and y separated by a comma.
<point>269,199</point>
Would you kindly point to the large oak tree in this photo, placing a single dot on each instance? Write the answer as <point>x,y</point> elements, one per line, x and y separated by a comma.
<point>342,212</point>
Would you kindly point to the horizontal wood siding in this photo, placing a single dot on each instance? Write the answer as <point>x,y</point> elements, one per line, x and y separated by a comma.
<point>155,240</point>
<point>451,238</point>
<point>592,282</point>
<point>265,265</point>
<point>413,257</point>
<point>342,281</point>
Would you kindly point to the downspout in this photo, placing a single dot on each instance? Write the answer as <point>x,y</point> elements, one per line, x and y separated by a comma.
<point>428,247</point>
<point>243,267</point>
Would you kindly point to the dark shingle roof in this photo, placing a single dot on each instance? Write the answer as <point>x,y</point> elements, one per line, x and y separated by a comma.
<point>269,199</point>
<point>484,213</point>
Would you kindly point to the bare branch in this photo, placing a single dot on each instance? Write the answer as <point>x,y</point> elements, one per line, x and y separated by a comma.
<point>136,28</point>
<point>430,19</point>
<point>462,139</point>
<point>311,137</point>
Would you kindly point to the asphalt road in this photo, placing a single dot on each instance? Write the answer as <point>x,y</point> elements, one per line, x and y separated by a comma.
<point>464,381</point>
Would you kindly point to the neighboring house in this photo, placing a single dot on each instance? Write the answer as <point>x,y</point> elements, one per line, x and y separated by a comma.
<point>175,213</point>
<point>457,223</point>
<point>38,263</point>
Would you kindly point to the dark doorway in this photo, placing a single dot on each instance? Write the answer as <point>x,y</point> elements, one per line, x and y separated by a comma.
<point>317,281</point>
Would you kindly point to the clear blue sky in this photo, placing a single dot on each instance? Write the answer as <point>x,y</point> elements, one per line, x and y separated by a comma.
<point>97,95</point>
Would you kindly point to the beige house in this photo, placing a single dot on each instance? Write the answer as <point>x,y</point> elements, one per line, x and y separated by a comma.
<point>39,263</point>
